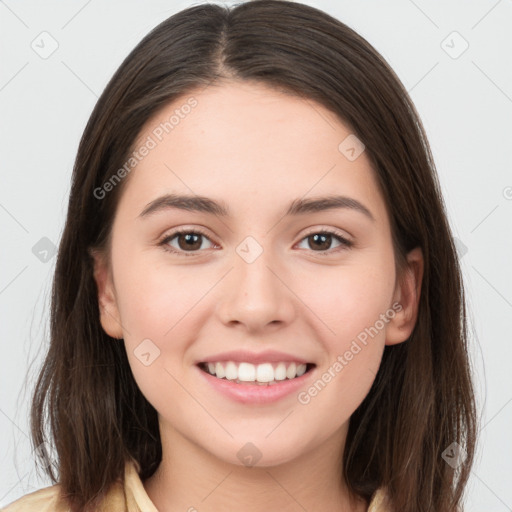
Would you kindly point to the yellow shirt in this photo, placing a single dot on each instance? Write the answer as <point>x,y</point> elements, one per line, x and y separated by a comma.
<point>131,497</point>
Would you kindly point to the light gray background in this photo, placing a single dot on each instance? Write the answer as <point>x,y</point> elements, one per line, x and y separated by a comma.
<point>465,102</point>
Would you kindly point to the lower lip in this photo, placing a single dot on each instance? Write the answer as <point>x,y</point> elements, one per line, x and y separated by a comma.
<point>254,393</point>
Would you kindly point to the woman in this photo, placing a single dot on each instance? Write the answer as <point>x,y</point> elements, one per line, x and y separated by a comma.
<point>257,300</point>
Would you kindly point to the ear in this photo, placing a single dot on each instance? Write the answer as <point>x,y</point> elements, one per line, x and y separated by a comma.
<point>109,313</point>
<point>407,294</point>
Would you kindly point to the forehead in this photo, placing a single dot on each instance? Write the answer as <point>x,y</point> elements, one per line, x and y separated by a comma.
<point>248,143</point>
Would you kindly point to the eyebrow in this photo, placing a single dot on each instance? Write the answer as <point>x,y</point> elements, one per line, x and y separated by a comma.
<point>204,204</point>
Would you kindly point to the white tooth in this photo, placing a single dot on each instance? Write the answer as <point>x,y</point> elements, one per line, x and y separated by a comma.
<point>264,372</point>
<point>246,372</point>
<point>301,370</point>
<point>219,370</point>
<point>291,371</point>
<point>280,372</point>
<point>231,371</point>
<point>211,368</point>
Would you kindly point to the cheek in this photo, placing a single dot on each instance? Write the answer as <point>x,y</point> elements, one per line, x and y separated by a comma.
<point>157,307</point>
<point>349,299</point>
<point>355,307</point>
<point>153,299</point>
<point>338,390</point>
<point>160,309</point>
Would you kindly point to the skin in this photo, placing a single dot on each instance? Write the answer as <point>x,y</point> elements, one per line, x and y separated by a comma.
<point>256,149</point>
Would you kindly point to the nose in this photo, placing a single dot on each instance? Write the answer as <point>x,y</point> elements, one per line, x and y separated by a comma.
<point>256,296</point>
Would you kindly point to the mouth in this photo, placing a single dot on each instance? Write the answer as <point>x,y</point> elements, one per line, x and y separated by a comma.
<point>263,374</point>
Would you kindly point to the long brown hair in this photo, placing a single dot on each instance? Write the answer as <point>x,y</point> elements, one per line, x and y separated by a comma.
<point>422,399</point>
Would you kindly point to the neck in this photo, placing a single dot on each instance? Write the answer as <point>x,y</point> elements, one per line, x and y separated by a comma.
<point>190,478</point>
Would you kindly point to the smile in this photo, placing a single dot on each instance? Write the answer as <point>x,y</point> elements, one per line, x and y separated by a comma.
<point>262,374</point>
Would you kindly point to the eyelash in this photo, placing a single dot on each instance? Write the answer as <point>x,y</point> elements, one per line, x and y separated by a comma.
<point>345,244</point>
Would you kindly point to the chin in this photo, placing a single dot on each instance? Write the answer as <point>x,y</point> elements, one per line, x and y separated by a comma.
<point>259,451</point>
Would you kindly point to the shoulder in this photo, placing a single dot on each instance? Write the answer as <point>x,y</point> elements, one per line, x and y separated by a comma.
<point>50,499</point>
<point>379,502</point>
<point>117,498</point>
<point>43,500</point>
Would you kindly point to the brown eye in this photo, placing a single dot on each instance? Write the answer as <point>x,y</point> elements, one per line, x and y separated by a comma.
<point>188,241</point>
<point>322,241</point>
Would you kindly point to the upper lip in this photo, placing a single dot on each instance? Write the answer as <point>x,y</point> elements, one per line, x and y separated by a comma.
<point>240,356</point>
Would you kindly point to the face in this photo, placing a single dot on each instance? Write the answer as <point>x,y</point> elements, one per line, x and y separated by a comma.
<point>271,290</point>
